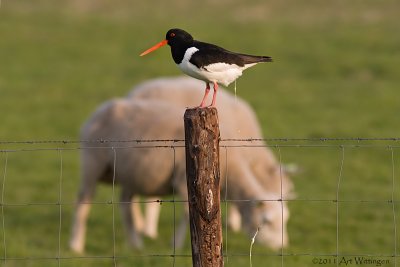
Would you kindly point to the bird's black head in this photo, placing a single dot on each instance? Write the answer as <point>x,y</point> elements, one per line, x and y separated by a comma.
<point>178,37</point>
<point>178,40</point>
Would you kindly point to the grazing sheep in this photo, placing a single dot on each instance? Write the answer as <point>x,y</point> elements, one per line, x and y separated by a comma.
<point>144,171</point>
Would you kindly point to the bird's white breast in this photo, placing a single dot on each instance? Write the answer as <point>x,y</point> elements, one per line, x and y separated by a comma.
<point>222,73</point>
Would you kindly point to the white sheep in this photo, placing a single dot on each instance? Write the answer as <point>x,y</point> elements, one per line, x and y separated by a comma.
<point>148,172</point>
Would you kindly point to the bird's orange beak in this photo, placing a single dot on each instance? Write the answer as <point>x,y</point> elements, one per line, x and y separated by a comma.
<point>155,47</point>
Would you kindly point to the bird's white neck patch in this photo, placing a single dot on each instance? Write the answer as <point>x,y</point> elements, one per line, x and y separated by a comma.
<point>188,54</point>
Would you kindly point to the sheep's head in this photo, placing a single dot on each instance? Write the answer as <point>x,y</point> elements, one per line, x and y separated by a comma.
<point>270,216</point>
<point>274,178</point>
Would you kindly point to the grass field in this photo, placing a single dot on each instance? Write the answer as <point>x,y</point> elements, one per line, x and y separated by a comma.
<point>336,74</point>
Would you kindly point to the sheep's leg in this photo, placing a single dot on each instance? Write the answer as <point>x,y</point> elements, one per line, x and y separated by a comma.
<point>153,209</point>
<point>180,233</point>
<point>134,237</point>
<point>234,219</point>
<point>77,242</point>
<point>149,224</point>
<point>137,216</point>
<point>94,169</point>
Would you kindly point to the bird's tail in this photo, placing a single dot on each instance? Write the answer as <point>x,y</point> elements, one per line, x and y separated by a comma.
<point>249,59</point>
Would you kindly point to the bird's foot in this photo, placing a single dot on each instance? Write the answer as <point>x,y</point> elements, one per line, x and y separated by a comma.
<point>202,104</point>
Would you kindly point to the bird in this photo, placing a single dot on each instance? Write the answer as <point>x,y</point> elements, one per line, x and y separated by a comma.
<point>207,62</point>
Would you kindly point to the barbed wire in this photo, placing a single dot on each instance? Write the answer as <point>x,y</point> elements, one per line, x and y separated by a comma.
<point>280,139</point>
<point>175,144</point>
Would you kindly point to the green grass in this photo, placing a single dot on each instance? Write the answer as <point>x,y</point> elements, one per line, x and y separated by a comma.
<point>335,74</point>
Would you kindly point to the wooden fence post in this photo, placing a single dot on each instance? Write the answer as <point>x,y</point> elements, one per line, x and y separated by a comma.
<point>203,176</point>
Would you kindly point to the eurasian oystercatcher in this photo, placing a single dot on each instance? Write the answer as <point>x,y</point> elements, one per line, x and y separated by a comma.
<point>206,62</point>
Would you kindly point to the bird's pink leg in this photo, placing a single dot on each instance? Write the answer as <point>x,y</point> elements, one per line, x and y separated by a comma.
<point>214,95</point>
<point>202,104</point>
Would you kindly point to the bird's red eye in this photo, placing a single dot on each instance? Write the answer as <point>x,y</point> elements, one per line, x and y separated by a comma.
<point>172,34</point>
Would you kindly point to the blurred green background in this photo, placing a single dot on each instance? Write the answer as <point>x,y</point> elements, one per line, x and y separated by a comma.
<point>336,73</point>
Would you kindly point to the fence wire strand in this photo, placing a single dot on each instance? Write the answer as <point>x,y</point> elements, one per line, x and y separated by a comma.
<point>226,205</point>
<point>339,180</point>
<point>394,207</point>
<point>60,207</point>
<point>2,208</point>
<point>174,207</point>
<point>267,140</point>
<point>281,198</point>
<point>114,257</point>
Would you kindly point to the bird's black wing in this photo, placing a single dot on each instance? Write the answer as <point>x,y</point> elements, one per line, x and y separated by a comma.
<point>210,54</point>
